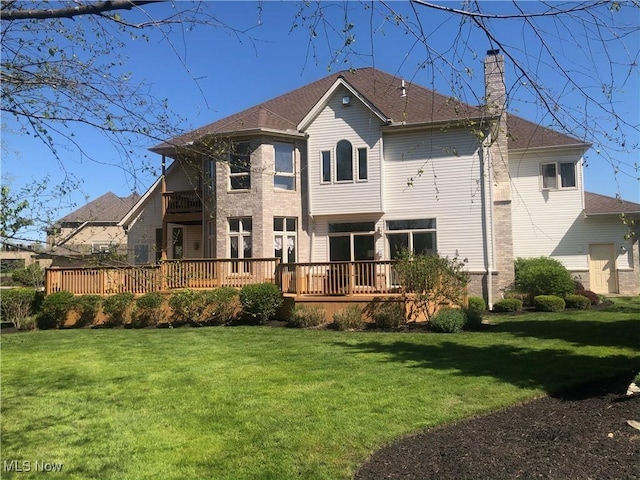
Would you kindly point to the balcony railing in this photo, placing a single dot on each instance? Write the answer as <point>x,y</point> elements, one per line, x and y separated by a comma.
<point>182,202</point>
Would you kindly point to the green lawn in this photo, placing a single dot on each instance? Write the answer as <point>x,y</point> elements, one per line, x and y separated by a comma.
<point>272,403</point>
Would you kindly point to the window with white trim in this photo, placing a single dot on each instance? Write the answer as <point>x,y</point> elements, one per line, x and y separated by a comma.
<point>325,166</point>
<point>285,177</point>
<point>417,236</point>
<point>347,162</point>
<point>363,167</point>
<point>558,175</point>
<point>285,238</point>
<point>240,166</point>
<point>240,243</point>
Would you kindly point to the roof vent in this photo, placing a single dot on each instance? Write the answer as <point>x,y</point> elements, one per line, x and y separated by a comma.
<point>403,89</point>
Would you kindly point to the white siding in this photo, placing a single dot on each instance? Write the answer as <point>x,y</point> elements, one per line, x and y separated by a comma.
<point>449,188</point>
<point>361,127</point>
<point>185,176</point>
<point>548,222</point>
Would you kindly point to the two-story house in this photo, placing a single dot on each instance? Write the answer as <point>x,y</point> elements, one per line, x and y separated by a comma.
<point>361,164</point>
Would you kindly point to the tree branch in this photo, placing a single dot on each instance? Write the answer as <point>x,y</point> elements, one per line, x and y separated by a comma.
<point>70,12</point>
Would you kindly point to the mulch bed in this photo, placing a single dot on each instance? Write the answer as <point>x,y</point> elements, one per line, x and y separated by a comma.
<point>579,434</point>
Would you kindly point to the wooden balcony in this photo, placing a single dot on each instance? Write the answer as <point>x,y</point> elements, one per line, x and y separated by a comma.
<point>183,207</point>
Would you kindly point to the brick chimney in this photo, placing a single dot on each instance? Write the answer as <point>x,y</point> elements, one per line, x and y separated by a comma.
<point>496,110</point>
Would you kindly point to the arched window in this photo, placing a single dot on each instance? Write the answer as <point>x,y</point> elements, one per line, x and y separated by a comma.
<point>344,161</point>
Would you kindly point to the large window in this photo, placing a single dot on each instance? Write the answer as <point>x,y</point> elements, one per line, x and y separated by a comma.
<point>240,166</point>
<point>558,175</point>
<point>285,238</point>
<point>351,241</point>
<point>344,161</point>
<point>285,166</point>
<point>418,236</point>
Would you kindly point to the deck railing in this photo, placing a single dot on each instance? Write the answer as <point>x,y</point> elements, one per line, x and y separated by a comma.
<point>338,278</point>
<point>171,274</point>
<point>329,278</point>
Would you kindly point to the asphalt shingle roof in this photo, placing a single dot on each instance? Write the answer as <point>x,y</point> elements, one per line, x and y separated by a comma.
<point>107,208</point>
<point>596,204</point>
<point>419,106</point>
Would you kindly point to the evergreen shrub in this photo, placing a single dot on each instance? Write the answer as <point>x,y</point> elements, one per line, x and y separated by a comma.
<point>476,307</point>
<point>261,300</point>
<point>579,302</point>
<point>508,305</point>
<point>548,303</point>
<point>448,320</point>
<point>54,310</point>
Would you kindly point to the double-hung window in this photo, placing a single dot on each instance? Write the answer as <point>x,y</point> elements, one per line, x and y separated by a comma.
<point>285,177</point>
<point>240,166</point>
<point>284,238</point>
<point>558,175</point>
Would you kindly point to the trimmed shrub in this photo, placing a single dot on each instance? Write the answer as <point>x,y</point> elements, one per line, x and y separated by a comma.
<point>221,306</point>
<point>54,310</point>
<point>261,300</point>
<point>17,306</point>
<point>304,316</point>
<point>87,307</point>
<point>577,301</point>
<point>118,308</point>
<point>389,314</point>
<point>548,303</point>
<point>508,305</point>
<point>476,307</point>
<point>187,305</point>
<point>148,310</point>
<point>543,276</point>
<point>348,319</point>
<point>448,320</point>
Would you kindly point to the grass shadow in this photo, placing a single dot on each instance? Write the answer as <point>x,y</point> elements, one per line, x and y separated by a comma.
<point>549,369</point>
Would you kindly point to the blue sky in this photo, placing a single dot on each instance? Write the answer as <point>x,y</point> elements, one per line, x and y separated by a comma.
<point>207,74</point>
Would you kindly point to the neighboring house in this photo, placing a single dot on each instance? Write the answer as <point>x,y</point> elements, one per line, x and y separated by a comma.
<point>17,256</point>
<point>90,232</point>
<point>360,164</point>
